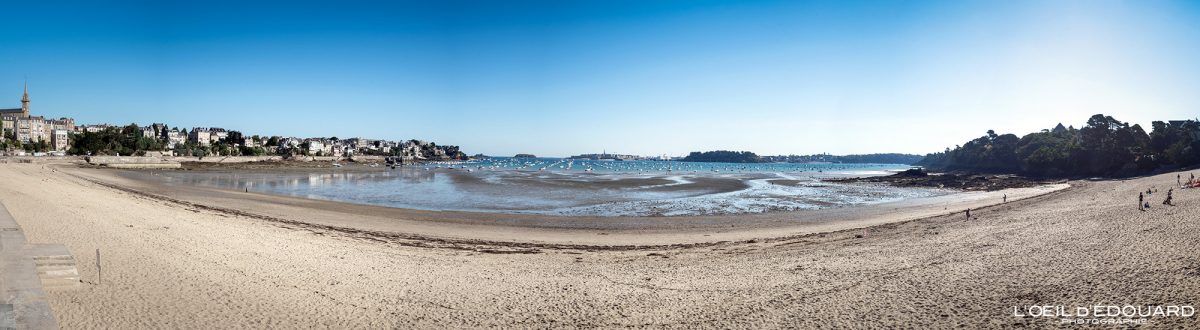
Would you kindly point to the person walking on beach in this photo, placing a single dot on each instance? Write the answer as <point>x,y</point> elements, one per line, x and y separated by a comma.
<point>1141,199</point>
<point>1005,198</point>
<point>968,214</point>
<point>1168,200</point>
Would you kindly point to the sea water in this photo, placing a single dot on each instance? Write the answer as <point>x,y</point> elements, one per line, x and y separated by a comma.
<point>574,187</point>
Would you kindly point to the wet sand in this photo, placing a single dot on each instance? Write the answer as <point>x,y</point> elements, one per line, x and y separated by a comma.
<point>638,189</point>
<point>535,230</point>
<point>659,183</point>
<point>216,259</point>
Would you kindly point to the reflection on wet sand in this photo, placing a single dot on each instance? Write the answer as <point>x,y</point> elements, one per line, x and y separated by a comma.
<point>553,192</point>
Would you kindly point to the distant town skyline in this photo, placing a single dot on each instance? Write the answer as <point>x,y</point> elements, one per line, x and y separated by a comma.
<point>629,77</point>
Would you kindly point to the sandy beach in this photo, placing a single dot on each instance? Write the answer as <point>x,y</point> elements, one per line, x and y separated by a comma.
<point>208,258</point>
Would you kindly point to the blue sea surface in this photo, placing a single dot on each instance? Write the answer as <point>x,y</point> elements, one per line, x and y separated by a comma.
<point>574,187</point>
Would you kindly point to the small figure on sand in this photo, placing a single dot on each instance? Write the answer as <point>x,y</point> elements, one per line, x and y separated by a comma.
<point>968,214</point>
<point>1168,200</point>
<point>1141,199</point>
<point>1005,198</point>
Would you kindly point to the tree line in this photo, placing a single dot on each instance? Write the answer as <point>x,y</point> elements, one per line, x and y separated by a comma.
<point>114,141</point>
<point>1104,147</point>
<point>723,156</point>
<point>129,140</point>
<point>885,158</point>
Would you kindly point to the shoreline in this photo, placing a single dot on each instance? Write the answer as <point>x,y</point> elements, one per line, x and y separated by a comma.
<point>537,230</point>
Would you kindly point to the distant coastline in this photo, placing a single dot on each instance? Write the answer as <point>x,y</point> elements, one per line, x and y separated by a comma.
<point>722,156</point>
<point>725,156</point>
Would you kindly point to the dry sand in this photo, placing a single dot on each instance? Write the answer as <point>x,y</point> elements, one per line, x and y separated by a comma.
<point>256,261</point>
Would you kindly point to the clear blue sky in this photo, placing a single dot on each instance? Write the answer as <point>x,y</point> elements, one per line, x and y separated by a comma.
<point>642,77</point>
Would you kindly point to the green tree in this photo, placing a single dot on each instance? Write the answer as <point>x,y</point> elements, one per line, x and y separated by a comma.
<point>1105,147</point>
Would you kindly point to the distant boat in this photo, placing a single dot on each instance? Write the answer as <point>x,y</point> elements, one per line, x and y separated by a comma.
<point>337,165</point>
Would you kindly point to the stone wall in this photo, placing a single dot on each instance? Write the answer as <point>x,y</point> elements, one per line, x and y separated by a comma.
<point>132,162</point>
<point>225,159</point>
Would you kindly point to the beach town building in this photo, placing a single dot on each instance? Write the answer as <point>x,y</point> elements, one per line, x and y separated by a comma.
<point>20,124</point>
<point>315,146</point>
<point>326,148</point>
<point>207,135</point>
<point>357,144</point>
<point>218,134</point>
<point>92,128</point>
<point>200,135</point>
<point>155,131</point>
<point>291,142</point>
<point>60,140</point>
<point>251,142</point>
<point>339,150</point>
<point>175,137</point>
<point>411,149</point>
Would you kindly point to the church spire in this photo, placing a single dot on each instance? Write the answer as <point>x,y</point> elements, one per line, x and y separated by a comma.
<point>25,99</point>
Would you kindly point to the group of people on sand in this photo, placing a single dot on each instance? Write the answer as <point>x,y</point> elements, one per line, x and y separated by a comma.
<point>1170,200</point>
<point>1191,182</point>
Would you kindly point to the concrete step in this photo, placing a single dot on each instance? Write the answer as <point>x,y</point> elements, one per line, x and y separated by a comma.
<point>59,273</point>
<point>55,267</point>
<point>61,283</point>
<point>54,264</point>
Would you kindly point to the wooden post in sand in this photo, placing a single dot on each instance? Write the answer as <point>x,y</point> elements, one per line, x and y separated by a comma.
<point>99,276</point>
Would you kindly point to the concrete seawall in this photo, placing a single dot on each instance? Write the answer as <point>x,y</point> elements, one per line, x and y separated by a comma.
<point>175,162</point>
<point>40,160</point>
<point>224,159</point>
<point>132,162</point>
<point>249,159</point>
<point>25,271</point>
